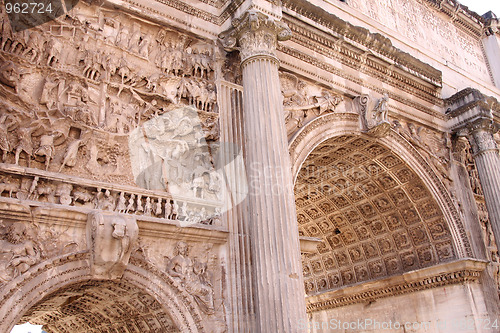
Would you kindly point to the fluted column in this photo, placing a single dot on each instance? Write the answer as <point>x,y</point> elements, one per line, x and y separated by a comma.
<point>276,262</point>
<point>480,134</point>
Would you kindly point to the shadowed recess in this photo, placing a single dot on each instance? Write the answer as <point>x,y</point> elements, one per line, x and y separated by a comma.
<point>375,216</point>
<point>100,306</point>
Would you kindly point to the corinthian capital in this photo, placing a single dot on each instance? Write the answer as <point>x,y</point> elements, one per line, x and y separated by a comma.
<point>480,134</point>
<point>471,115</point>
<point>255,34</point>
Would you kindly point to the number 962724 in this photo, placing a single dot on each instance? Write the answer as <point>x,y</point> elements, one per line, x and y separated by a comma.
<point>28,8</point>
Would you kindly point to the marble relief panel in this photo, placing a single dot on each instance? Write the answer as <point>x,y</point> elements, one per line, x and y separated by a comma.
<point>77,90</point>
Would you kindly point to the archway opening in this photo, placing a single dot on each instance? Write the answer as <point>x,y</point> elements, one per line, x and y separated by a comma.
<point>100,306</point>
<point>374,215</point>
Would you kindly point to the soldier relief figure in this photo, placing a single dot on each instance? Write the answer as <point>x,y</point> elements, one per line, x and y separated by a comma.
<point>193,276</point>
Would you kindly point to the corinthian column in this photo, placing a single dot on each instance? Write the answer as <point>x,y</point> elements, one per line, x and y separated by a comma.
<point>480,134</point>
<point>274,241</point>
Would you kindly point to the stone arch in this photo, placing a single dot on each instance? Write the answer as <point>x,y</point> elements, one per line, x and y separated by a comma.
<point>328,131</point>
<point>47,278</point>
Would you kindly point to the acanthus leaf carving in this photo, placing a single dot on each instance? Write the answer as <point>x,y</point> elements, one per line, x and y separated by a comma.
<point>480,133</point>
<point>255,34</point>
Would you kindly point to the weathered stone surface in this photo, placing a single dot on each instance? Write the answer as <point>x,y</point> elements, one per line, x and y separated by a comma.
<point>234,166</point>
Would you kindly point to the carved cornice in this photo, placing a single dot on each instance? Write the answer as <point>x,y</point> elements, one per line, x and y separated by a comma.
<point>468,106</point>
<point>492,24</point>
<point>372,41</point>
<point>457,272</point>
<point>460,15</point>
<point>226,9</point>
<point>215,3</point>
<point>53,214</point>
<point>255,34</point>
<point>421,84</point>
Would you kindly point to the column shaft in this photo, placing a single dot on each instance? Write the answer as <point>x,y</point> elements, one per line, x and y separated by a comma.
<point>273,222</point>
<point>278,286</point>
<point>488,169</point>
<point>485,150</point>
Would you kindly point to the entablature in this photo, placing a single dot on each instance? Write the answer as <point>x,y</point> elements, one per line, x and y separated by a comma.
<point>455,272</point>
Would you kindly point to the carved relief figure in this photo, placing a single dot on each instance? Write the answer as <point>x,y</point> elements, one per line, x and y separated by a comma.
<point>148,207</point>
<point>175,210</point>
<point>63,191</point>
<point>193,276</point>
<point>46,148</point>
<point>434,148</point>
<point>34,46</point>
<point>25,143</point>
<point>121,205</point>
<point>158,207</point>
<point>17,251</point>
<point>168,209</point>
<point>131,203</point>
<point>10,75</point>
<point>55,48</point>
<point>71,154</point>
<point>5,127</point>
<point>110,239</point>
<point>50,96</point>
<point>303,102</point>
<point>380,110</point>
<point>8,185</point>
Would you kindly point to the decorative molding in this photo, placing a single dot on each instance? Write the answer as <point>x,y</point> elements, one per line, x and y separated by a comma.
<point>464,18</point>
<point>55,189</point>
<point>50,214</point>
<point>391,63</point>
<point>457,272</point>
<point>470,111</point>
<point>254,34</point>
<point>363,36</point>
<point>230,8</point>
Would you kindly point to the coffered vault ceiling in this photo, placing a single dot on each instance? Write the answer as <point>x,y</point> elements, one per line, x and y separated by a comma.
<point>100,306</point>
<point>375,217</point>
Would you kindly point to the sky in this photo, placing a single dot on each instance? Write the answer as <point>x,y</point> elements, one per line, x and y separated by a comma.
<point>482,6</point>
<point>26,328</point>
